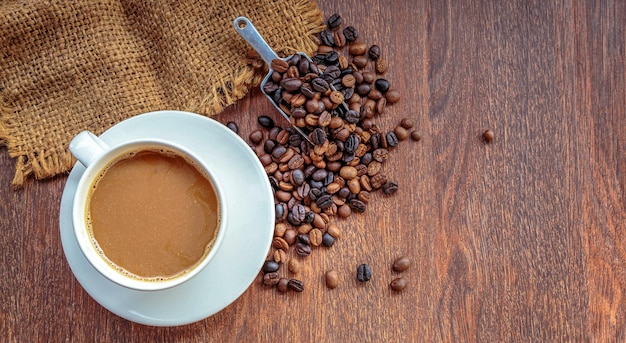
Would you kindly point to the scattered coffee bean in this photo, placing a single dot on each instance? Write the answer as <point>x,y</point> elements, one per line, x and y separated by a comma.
<point>363,272</point>
<point>296,285</point>
<point>270,279</point>
<point>283,285</point>
<point>416,136</point>
<point>270,266</point>
<point>488,135</point>
<point>294,266</point>
<point>334,21</point>
<point>406,123</point>
<point>401,264</point>
<point>332,279</point>
<point>390,187</point>
<point>350,33</point>
<point>266,122</point>
<point>256,136</point>
<point>398,284</point>
<point>303,249</point>
<point>233,126</point>
<point>328,240</point>
<point>374,52</point>
<point>401,133</point>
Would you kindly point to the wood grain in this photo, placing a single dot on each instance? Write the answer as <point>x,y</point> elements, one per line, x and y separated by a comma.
<point>522,239</point>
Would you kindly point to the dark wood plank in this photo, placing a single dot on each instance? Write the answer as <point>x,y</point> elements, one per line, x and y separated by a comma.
<point>519,239</point>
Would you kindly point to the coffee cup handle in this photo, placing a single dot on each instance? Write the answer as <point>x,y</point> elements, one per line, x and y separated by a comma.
<point>86,147</point>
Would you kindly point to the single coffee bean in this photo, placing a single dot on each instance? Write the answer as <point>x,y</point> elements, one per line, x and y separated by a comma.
<point>233,126</point>
<point>315,236</point>
<point>391,139</point>
<point>416,136</point>
<point>319,85</point>
<point>270,266</point>
<point>326,37</point>
<point>398,284</point>
<point>381,65</point>
<point>357,205</point>
<point>290,237</point>
<point>382,85</point>
<point>304,239</point>
<point>296,285</point>
<point>256,136</point>
<point>357,49</point>
<point>344,211</point>
<point>334,21</point>
<point>332,279</point>
<point>350,33</point>
<point>333,230</point>
<point>401,264</point>
<point>392,96</point>
<point>283,285</point>
<point>359,61</point>
<point>279,65</point>
<point>374,52</point>
<point>291,84</point>
<point>266,122</point>
<point>303,249</point>
<point>293,266</point>
<point>270,279</point>
<point>280,256</point>
<point>401,133</point>
<point>406,123</point>
<point>325,201</point>
<point>489,135</point>
<point>364,272</point>
<point>390,187</point>
<point>340,42</point>
<point>328,240</point>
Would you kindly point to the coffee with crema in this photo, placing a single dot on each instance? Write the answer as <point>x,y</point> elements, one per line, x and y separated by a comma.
<point>153,214</point>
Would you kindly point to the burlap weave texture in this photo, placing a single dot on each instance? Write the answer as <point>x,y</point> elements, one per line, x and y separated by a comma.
<point>68,66</point>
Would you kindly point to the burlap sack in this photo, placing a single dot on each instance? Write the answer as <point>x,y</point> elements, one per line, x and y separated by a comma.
<point>68,66</point>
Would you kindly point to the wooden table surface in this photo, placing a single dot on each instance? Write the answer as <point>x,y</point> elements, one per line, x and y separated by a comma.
<point>522,239</point>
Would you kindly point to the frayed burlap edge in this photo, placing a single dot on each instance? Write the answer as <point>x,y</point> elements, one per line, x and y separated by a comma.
<point>48,163</point>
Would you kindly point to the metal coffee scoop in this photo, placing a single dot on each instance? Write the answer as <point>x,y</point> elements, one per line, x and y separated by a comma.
<point>244,27</point>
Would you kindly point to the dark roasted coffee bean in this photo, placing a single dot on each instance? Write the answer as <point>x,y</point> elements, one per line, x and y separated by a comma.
<point>390,187</point>
<point>291,84</point>
<point>401,264</point>
<point>308,218</point>
<point>296,285</point>
<point>319,174</point>
<point>352,117</point>
<point>327,38</point>
<point>278,151</point>
<point>363,89</point>
<point>303,190</point>
<point>270,266</point>
<point>232,126</point>
<point>266,122</point>
<point>328,240</point>
<point>278,96</point>
<point>303,249</point>
<point>324,202</point>
<point>319,85</point>
<point>344,192</point>
<point>350,33</point>
<point>270,87</point>
<point>351,143</point>
<point>357,205</point>
<point>375,141</point>
<point>280,211</point>
<point>315,194</point>
<point>270,279</point>
<point>364,272</point>
<point>298,212</point>
<point>374,52</point>
<point>333,72</point>
<point>303,66</point>
<point>318,136</point>
<point>295,59</point>
<point>304,239</point>
<point>268,146</point>
<point>297,177</point>
<point>331,58</point>
<point>382,85</point>
<point>391,139</point>
<point>334,21</point>
<point>292,220</point>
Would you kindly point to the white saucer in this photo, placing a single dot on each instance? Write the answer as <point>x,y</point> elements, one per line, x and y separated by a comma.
<point>245,246</point>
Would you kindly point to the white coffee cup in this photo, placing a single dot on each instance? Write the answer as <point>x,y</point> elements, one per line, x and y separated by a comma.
<point>95,155</point>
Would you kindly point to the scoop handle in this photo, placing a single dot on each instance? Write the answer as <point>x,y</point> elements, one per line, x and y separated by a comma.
<point>244,27</point>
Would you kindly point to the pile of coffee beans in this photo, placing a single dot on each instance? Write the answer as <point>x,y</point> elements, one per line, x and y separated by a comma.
<point>334,170</point>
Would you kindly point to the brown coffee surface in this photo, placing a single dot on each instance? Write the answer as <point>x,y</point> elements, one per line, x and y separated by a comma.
<point>154,214</point>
